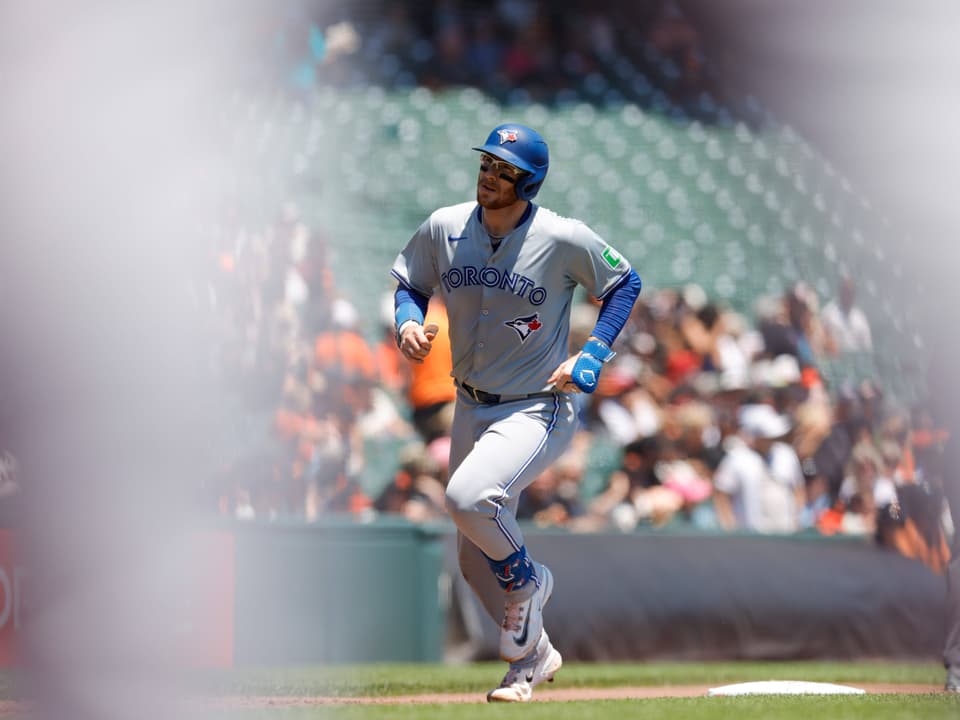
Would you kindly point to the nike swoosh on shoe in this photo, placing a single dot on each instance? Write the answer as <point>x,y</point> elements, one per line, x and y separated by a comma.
<point>522,640</point>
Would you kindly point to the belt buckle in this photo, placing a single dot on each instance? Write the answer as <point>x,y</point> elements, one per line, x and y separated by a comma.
<point>471,391</point>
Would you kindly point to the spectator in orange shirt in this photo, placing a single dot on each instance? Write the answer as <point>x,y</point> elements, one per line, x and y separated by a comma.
<point>393,368</point>
<point>432,393</point>
<point>340,352</point>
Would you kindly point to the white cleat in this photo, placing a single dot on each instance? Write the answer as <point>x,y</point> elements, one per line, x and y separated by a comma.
<point>523,621</point>
<point>520,680</point>
<point>953,680</point>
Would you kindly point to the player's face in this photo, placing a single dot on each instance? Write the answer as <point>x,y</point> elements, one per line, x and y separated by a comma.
<point>496,183</point>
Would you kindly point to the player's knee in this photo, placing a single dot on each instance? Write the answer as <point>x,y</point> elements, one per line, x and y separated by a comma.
<point>462,500</point>
<point>458,503</point>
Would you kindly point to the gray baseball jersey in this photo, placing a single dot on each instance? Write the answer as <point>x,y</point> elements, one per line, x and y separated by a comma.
<point>509,309</point>
<point>509,314</point>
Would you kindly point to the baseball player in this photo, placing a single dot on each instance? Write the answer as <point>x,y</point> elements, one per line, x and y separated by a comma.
<point>507,270</point>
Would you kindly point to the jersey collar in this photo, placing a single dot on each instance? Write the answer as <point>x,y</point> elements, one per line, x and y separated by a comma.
<point>523,218</point>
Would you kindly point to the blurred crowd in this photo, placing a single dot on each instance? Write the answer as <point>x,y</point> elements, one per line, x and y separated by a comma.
<point>539,46</point>
<point>706,419</point>
<point>520,50</point>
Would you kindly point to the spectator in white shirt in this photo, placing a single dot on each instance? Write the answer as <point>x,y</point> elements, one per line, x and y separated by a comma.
<point>759,483</point>
<point>845,322</point>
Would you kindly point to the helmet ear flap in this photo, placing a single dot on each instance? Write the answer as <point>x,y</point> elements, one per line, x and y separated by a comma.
<point>528,188</point>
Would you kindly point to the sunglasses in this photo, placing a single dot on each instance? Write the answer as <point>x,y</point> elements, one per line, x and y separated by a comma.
<point>504,170</point>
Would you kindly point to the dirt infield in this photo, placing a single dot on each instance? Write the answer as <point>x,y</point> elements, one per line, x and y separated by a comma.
<point>542,695</point>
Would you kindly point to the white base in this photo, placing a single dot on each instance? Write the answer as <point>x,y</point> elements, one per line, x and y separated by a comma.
<point>784,687</point>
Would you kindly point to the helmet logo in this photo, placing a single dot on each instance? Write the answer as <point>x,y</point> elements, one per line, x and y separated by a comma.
<point>508,136</point>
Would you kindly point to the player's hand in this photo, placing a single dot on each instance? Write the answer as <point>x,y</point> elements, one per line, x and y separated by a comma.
<point>416,340</point>
<point>581,372</point>
<point>586,370</point>
<point>562,377</point>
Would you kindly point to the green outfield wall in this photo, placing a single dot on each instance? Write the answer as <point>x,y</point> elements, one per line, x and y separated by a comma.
<point>339,591</point>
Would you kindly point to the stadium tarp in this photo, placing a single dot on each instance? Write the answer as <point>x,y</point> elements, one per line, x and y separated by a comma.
<point>712,597</point>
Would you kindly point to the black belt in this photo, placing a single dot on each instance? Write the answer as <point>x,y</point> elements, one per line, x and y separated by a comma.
<point>493,398</point>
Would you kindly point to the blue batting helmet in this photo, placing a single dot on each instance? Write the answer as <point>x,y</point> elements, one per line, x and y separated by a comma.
<point>526,149</point>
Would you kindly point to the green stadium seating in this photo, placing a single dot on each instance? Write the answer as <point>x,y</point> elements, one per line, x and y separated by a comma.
<point>742,210</point>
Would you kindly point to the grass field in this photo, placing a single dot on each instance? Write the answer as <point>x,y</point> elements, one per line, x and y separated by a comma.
<point>408,679</point>
<point>879,707</point>
<point>385,681</point>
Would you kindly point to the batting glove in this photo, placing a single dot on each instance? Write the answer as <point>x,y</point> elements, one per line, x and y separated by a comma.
<point>586,370</point>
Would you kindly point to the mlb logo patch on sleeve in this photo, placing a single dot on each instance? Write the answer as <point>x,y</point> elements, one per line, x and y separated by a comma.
<point>612,257</point>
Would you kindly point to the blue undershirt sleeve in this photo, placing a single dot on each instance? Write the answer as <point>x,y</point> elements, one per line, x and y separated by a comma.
<point>409,305</point>
<point>616,308</point>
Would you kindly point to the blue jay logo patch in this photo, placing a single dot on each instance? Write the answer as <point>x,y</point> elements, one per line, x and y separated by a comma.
<point>525,325</point>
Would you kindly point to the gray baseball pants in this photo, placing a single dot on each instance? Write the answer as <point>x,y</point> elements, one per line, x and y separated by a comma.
<point>497,451</point>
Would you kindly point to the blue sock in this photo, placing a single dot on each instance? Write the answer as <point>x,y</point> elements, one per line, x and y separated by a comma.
<point>514,571</point>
